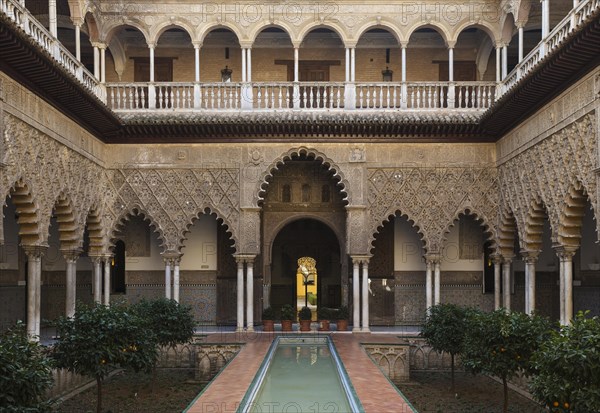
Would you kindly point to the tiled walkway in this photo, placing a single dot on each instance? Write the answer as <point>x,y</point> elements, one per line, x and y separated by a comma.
<point>375,392</point>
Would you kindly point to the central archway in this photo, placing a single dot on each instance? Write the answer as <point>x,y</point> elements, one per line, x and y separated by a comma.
<point>306,237</point>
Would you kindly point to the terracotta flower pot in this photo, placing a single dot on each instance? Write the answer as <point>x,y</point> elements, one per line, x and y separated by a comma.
<point>304,325</point>
<point>342,325</point>
<point>268,325</point>
<point>324,325</point>
<point>286,325</point>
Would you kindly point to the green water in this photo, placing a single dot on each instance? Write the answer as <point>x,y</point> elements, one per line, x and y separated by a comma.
<point>301,378</point>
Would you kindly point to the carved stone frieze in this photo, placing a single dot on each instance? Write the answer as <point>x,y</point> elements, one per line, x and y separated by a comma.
<point>545,173</point>
<point>432,198</point>
<point>172,199</point>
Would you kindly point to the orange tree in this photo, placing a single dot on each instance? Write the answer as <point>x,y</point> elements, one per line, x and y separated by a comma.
<point>99,339</point>
<point>567,366</point>
<point>25,373</point>
<point>445,328</point>
<point>501,344</point>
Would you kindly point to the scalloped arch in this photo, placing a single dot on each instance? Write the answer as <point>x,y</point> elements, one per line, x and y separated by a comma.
<point>27,210</point>
<point>483,221</point>
<point>571,215</point>
<point>537,214</point>
<point>399,214</point>
<point>69,230</point>
<point>211,211</point>
<point>338,175</point>
<point>135,210</point>
<point>507,231</point>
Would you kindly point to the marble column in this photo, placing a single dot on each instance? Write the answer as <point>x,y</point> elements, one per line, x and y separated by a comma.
<point>176,262</point>
<point>545,18</point>
<point>243,64</point>
<point>530,258</point>
<point>96,61</point>
<point>428,283</point>
<point>347,65</point>
<point>504,60</point>
<point>52,20</point>
<point>498,61</point>
<point>249,64</point>
<point>71,281</point>
<point>566,283</point>
<point>353,64</point>
<point>168,261</point>
<point>436,282</point>
<point>497,260</point>
<point>97,279</point>
<point>520,26</point>
<point>240,294</point>
<point>78,41</point>
<point>365,296</point>
<point>107,265</point>
<point>506,278</point>
<point>197,61</point>
<point>355,295</point>
<point>34,282</point>
<point>103,63</point>
<point>250,294</point>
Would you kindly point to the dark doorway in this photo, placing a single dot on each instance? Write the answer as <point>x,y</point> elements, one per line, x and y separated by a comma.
<point>305,238</point>
<point>117,273</point>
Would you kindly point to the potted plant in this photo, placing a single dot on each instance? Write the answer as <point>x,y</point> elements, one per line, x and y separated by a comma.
<point>305,316</point>
<point>287,317</point>
<point>324,315</point>
<point>268,317</point>
<point>342,318</point>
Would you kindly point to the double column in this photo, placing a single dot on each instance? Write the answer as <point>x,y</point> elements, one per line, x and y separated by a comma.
<point>245,262</point>
<point>432,279</point>
<point>506,282</point>
<point>350,88</point>
<point>71,257</point>
<point>172,263</point>
<point>565,254</point>
<point>102,265</point>
<point>247,98</point>
<point>530,258</point>
<point>360,294</point>
<point>34,288</point>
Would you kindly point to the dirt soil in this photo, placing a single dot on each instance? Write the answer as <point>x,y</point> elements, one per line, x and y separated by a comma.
<point>133,393</point>
<point>430,393</point>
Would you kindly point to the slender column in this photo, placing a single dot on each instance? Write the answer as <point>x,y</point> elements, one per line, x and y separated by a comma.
<point>168,277</point>
<point>545,18</point>
<point>498,60</point>
<point>96,62</point>
<point>451,64</point>
<point>151,49</point>
<point>403,48</point>
<point>403,88</point>
<point>506,279</point>
<point>436,282</point>
<point>71,282</point>
<point>530,261</point>
<point>240,294</point>
<point>566,284</point>
<point>355,296</point>
<point>107,265</point>
<point>197,62</point>
<point>497,260</point>
<point>428,283</point>
<point>365,297</point>
<point>103,64</point>
<point>243,64</point>
<point>52,17</point>
<point>504,60</point>
<point>353,64</point>
<point>249,64</point>
<point>297,63</point>
<point>34,271</point>
<point>250,294</point>
<point>176,263</point>
<point>97,282</point>
<point>347,63</point>
<point>78,41</point>
<point>520,42</point>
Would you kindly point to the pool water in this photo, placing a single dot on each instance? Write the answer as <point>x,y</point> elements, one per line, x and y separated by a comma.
<point>301,377</point>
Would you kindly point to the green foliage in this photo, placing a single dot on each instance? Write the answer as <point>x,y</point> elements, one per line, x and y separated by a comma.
<point>99,338</point>
<point>445,327</point>
<point>324,313</point>
<point>287,312</point>
<point>502,344</point>
<point>567,367</point>
<point>25,373</point>
<point>304,313</point>
<point>170,322</point>
<point>343,313</point>
<point>268,314</point>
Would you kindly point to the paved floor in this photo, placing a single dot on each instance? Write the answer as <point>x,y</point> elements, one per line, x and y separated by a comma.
<point>226,391</point>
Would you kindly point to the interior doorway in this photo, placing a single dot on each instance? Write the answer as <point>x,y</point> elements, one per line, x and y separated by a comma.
<point>306,237</point>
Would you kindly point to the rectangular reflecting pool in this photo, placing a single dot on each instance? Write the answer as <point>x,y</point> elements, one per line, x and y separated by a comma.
<point>301,374</point>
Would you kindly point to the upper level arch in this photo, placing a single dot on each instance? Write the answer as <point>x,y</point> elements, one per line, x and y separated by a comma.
<point>257,30</point>
<point>384,24</point>
<point>115,28</point>
<point>336,28</point>
<point>177,23</point>
<point>439,28</point>
<point>484,26</point>
<point>205,30</point>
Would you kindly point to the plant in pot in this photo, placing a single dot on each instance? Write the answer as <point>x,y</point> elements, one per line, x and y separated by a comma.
<point>288,314</point>
<point>324,315</point>
<point>268,319</point>
<point>342,318</point>
<point>305,316</point>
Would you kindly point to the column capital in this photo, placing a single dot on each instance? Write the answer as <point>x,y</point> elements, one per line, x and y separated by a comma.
<point>249,258</point>
<point>246,44</point>
<point>296,44</point>
<point>151,45</point>
<point>450,44</point>
<point>360,258</point>
<point>508,259</point>
<point>565,252</point>
<point>197,44</point>
<point>496,258</point>
<point>99,45</point>
<point>403,44</point>
<point>530,257</point>
<point>432,258</point>
<point>35,251</point>
<point>71,254</point>
<point>350,45</point>
<point>77,21</point>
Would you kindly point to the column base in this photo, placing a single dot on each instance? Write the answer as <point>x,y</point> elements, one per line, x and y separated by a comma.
<point>250,329</point>
<point>365,330</point>
<point>356,329</point>
<point>239,329</point>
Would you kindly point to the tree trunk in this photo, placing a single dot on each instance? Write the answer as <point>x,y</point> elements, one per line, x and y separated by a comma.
<point>505,384</point>
<point>154,377</point>
<point>452,370</point>
<point>99,390</point>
